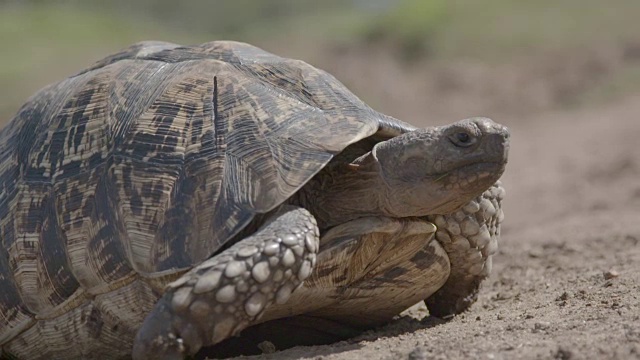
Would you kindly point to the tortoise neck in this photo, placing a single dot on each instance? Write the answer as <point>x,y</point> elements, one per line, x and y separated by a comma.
<point>344,192</point>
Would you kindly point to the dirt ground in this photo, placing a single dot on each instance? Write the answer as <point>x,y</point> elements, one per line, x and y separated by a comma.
<point>566,282</point>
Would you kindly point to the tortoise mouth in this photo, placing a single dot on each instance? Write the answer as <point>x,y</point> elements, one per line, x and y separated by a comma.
<point>479,174</point>
<point>463,183</point>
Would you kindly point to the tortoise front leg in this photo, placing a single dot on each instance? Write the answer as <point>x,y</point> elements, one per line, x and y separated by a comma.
<point>470,237</point>
<point>231,290</point>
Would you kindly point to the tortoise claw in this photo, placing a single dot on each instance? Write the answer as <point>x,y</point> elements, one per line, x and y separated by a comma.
<point>159,336</point>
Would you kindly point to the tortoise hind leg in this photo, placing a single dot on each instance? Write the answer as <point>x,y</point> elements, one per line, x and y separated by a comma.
<point>231,290</point>
<point>371,269</point>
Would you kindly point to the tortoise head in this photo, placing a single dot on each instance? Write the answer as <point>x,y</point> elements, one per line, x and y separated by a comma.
<point>439,169</point>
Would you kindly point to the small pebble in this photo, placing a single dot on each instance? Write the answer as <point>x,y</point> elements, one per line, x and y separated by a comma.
<point>540,326</point>
<point>267,347</point>
<point>563,354</point>
<point>611,274</point>
<point>419,353</point>
<point>563,297</point>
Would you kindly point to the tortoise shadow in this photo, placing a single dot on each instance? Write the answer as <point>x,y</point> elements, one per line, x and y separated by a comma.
<point>403,324</point>
<point>304,336</point>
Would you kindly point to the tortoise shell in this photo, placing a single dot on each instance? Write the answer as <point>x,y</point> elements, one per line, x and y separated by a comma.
<point>145,164</point>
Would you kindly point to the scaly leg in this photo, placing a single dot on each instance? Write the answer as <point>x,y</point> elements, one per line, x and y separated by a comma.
<point>231,290</point>
<point>470,237</point>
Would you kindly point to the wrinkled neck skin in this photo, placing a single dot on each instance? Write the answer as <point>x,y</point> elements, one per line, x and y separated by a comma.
<point>344,192</point>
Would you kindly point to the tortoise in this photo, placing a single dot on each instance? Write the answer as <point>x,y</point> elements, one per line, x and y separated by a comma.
<point>168,197</point>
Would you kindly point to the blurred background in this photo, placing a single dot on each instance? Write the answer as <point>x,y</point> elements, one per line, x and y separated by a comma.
<point>564,75</point>
<point>424,61</point>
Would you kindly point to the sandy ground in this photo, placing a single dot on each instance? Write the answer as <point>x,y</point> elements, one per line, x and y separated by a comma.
<point>566,282</point>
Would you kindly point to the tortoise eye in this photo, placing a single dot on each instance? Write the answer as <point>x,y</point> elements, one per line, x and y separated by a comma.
<point>462,139</point>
